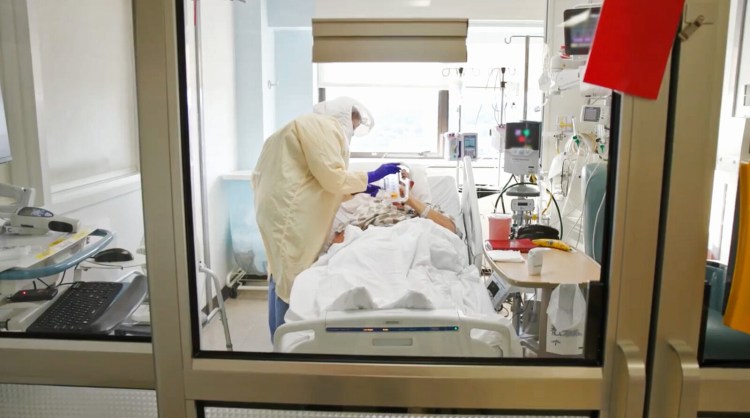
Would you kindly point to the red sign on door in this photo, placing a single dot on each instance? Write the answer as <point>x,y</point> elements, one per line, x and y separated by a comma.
<point>632,45</point>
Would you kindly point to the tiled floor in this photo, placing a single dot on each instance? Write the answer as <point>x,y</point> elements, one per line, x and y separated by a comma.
<point>248,324</point>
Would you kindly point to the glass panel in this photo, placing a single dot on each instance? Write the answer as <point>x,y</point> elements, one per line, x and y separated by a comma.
<point>31,401</point>
<point>725,333</point>
<point>74,230</point>
<point>221,412</point>
<point>418,288</point>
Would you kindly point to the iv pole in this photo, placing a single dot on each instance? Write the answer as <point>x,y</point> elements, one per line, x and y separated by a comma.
<point>459,154</point>
<point>502,126</point>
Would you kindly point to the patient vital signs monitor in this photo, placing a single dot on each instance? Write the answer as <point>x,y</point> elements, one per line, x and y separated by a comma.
<point>579,27</point>
<point>522,147</point>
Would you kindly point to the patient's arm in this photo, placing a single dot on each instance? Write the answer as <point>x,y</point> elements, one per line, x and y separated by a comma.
<point>432,215</point>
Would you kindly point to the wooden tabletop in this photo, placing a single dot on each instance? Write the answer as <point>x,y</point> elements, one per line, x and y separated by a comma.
<point>559,267</point>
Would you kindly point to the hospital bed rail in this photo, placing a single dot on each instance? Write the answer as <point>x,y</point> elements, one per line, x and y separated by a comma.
<point>409,332</point>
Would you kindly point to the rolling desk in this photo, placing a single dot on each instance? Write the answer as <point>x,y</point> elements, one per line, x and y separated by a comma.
<point>559,267</point>
<point>44,256</point>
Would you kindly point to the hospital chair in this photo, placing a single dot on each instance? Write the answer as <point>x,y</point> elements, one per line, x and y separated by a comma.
<point>721,342</point>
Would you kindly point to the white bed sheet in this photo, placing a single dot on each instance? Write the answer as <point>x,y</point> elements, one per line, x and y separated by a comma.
<point>415,265</point>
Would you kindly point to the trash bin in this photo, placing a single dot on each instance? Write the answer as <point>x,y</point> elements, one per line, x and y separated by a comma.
<point>247,245</point>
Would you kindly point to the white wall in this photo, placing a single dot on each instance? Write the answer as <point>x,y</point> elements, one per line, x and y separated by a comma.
<point>294,74</point>
<point>85,82</point>
<point>122,215</point>
<point>290,13</point>
<point>220,128</point>
<point>220,114</point>
<point>268,75</point>
<point>472,9</point>
<point>80,100</point>
<point>249,81</point>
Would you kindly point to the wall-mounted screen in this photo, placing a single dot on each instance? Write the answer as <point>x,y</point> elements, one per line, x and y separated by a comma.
<point>579,27</point>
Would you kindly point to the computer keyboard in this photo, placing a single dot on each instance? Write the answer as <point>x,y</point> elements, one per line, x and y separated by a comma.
<point>91,307</point>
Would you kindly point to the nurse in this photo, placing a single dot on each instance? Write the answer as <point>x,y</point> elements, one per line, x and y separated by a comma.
<point>300,180</point>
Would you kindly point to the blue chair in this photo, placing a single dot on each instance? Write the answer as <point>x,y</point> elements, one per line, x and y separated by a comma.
<point>720,341</point>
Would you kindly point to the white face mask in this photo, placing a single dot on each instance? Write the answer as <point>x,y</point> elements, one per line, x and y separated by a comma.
<point>348,131</point>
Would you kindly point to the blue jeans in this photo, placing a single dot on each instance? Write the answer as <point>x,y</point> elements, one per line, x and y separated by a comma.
<point>276,308</point>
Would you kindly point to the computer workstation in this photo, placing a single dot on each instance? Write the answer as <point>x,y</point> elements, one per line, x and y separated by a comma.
<point>38,248</point>
<point>45,304</point>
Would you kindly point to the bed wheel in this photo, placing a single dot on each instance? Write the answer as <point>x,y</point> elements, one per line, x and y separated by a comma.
<point>233,291</point>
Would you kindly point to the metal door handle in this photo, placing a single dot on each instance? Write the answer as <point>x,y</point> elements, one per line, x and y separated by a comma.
<point>629,391</point>
<point>683,365</point>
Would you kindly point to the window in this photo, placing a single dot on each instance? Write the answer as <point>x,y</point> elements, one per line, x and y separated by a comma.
<point>406,119</point>
<point>405,97</point>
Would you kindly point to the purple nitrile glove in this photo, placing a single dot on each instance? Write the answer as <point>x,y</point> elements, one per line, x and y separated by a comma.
<point>382,171</point>
<point>372,190</point>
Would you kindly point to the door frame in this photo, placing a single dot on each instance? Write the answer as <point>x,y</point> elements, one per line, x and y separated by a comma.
<point>679,386</point>
<point>616,388</point>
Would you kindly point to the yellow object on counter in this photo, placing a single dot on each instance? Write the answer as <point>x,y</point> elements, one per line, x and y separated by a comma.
<point>552,243</point>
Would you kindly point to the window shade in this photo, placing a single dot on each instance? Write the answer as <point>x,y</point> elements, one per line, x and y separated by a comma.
<point>389,40</point>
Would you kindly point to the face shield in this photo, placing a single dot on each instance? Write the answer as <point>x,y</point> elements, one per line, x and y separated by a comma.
<point>341,109</point>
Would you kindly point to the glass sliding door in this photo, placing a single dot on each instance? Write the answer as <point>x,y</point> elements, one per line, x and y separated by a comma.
<point>202,96</point>
<point>700,341</point>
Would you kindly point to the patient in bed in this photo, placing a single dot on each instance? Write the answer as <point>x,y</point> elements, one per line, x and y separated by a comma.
<point>364,211</point>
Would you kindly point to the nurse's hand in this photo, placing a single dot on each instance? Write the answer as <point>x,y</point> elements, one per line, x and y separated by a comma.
<point>372,190</point>
<point>382,171</point>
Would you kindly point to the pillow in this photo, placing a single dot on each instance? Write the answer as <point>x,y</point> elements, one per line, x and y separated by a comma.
<point>445,195</point>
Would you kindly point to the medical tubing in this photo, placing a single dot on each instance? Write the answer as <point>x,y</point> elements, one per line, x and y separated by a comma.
<point>559,214</point>
<point>593,233</point>
<point>585,193</point>
<point>576,169</point>
<point>499,198</point>
<point>549,202</point>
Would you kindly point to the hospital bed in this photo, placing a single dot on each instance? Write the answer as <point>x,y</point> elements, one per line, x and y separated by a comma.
<point>408,332</point>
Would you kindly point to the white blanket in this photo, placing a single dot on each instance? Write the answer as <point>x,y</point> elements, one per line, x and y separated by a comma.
<point>415,264</point>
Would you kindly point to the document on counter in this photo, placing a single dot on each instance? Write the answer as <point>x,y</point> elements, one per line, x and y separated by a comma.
<point>24,251</point>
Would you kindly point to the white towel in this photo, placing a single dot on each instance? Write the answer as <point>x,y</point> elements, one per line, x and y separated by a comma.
<point>505,256</point>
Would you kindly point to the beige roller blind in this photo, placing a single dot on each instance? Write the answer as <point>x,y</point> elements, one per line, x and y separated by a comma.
<point>389,40</point>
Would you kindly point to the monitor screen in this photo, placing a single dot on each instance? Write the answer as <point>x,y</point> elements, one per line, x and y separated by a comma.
<point>579,27</point>
<point>522,143</point>
<point>4,140</point>
<point>591,113</point>
<point>522,135</point>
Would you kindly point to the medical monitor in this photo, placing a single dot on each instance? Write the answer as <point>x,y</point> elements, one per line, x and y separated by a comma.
<point>4,140</point>
<point>579,26</point>
<point>522,147</point>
